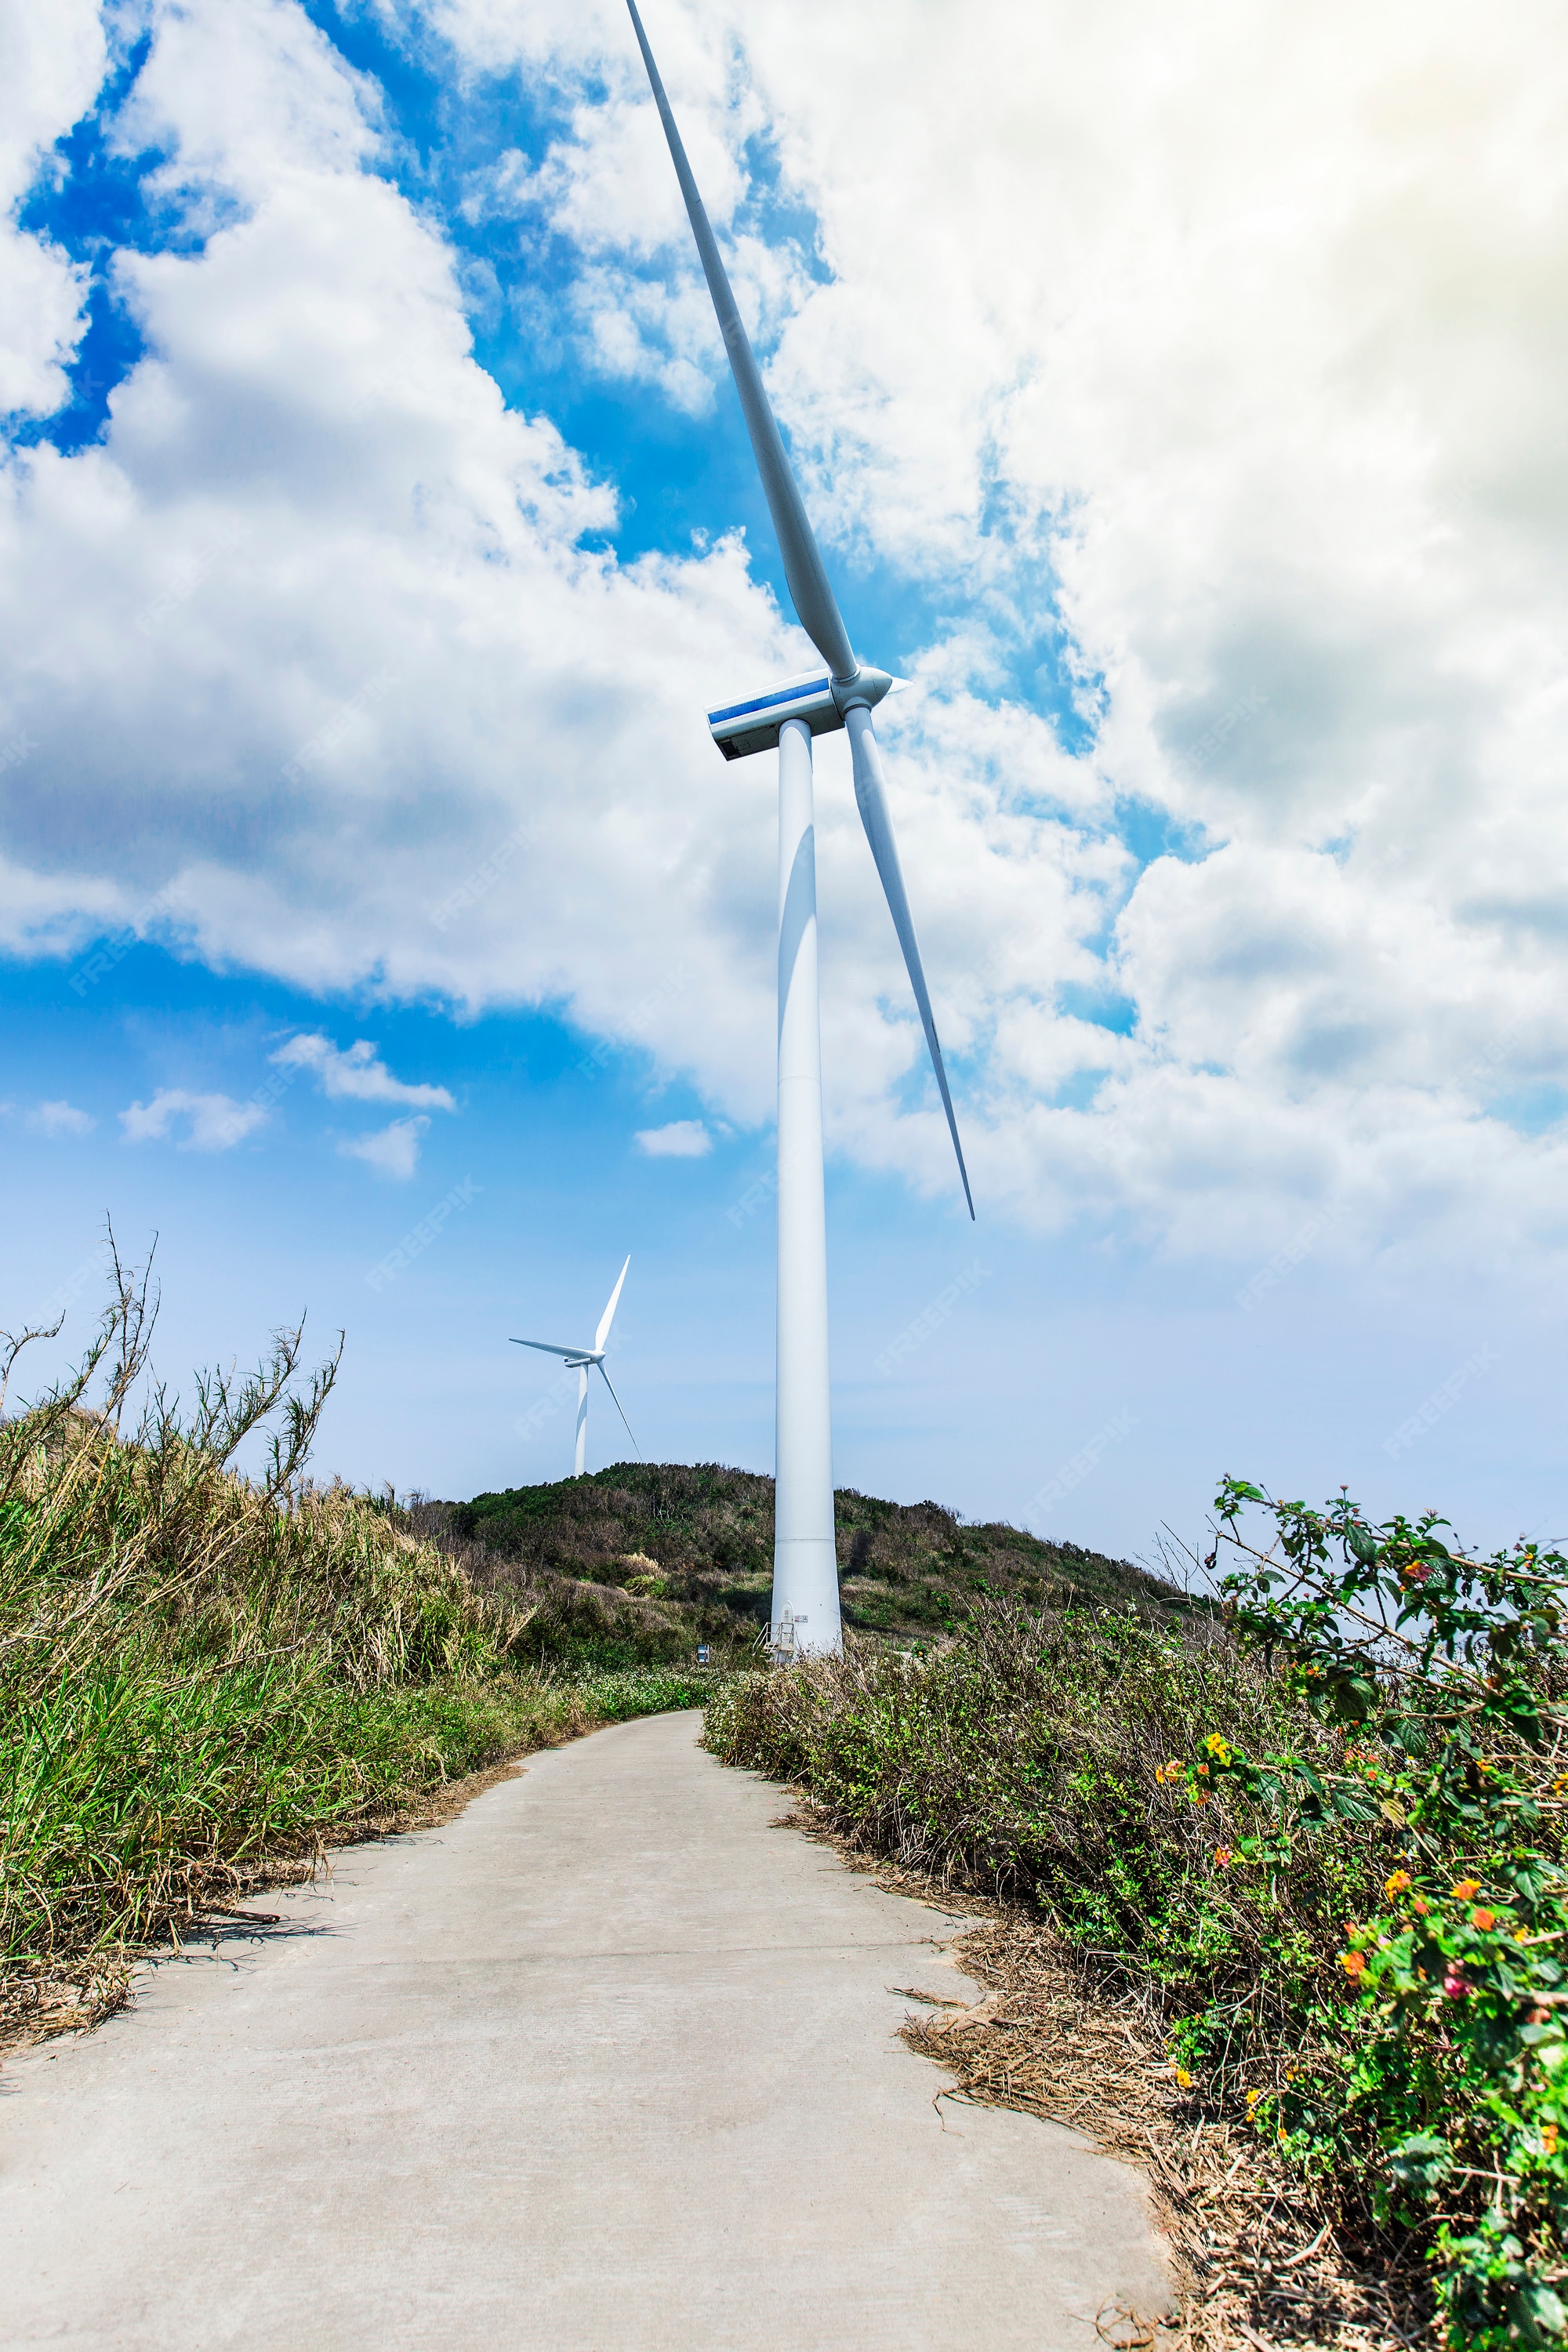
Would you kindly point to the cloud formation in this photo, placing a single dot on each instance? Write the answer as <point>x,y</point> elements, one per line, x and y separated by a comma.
<point>391,1150</point>
<point>356,1075</point>
<point>60,1119</point>
<point>682,1139</point>
<point>211,1122</point>
<point>1202,382</point>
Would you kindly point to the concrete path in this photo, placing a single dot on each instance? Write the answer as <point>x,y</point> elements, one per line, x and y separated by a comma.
<point>607,2065</point>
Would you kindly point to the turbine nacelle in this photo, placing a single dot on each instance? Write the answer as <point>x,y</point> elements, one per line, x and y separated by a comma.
<point>814,696</point>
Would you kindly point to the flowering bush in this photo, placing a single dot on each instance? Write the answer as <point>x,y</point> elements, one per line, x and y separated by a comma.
<point>1447,2085</point>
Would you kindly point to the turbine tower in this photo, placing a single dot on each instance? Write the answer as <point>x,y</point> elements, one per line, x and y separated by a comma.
<point>842,695</point>
<point>582,1361</point>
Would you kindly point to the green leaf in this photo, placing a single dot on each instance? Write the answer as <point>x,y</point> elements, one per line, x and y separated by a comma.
<point>1543,2307</point>
<point>1352,1697</point>
<point>1421,2161</point>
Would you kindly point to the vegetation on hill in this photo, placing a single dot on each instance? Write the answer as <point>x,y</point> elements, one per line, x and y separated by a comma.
<point>702,1538</point>
<point>1320,1839</point>
<point>203,1674</point>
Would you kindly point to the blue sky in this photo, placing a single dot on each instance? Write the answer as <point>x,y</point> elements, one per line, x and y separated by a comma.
<point>371,497</point>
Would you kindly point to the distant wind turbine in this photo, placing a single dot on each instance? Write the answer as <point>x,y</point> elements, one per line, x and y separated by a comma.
<point>842,694</point>
<point>582,1361</point>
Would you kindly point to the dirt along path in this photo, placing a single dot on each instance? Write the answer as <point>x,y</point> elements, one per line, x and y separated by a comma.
<point>609,2063</point>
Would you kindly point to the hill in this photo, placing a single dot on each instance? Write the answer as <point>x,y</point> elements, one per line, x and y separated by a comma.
<point>703,1537</point>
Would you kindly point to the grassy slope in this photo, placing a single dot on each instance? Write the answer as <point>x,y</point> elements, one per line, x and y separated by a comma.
<point>197,1683</point>
<point>703,1537</point>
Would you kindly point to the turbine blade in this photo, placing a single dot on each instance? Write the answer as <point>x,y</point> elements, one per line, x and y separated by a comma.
<point>816,605</point>
<point>609,1317</point>
<point>621,1410</point>
<point>872,796</point>
<point>545,1347</point>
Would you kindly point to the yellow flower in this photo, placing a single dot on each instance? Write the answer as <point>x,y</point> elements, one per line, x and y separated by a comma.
<point>1222,1854</point>
<point>1397,1884</point>
<point>1522,1935</point>
<point>1549,2139</point>
<point>1466,1890</point>
<point>1183,2078</point>
<point>1253,2097</point>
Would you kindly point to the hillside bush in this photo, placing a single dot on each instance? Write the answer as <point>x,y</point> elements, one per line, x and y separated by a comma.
<point>907,1571</point>
<point>1319,1832</point>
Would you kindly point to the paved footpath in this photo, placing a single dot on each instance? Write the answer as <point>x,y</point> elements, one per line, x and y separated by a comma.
<point>607,2065</point>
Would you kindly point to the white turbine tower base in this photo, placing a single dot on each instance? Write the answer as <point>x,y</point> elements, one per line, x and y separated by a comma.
<point>582,1361</point>
<point>805,1566</point>
<point>842,694</point>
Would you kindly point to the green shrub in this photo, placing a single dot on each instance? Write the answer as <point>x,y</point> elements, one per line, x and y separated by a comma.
<point>1320,1833</point>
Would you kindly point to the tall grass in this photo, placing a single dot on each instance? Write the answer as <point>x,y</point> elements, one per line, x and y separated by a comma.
<point>202,1672</point>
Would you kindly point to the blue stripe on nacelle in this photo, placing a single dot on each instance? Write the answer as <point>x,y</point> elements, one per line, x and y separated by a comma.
<point>809,690</point>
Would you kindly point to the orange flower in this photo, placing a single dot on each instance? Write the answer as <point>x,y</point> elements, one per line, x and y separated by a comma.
<point>1549,2139</point>
<point>1419,1904</point>
<point>1485,1920</point>
<point>1397,1884</point>
<point>1466,1891</point>
<point>1353,1964</point>
<point>1221,1854</point>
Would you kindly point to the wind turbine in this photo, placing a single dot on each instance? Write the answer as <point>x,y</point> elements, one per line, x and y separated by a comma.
<point>582,1361</point>
<point>843,694</point>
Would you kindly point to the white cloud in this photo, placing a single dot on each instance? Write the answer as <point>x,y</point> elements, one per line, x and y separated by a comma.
<point>51,62</point>
<point>60,1119</point>
<point>683,1139</point>
<point>212,1122</point>
<point>359,1074</point>
<point>392,1151</point>
<point>1224,371</point>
